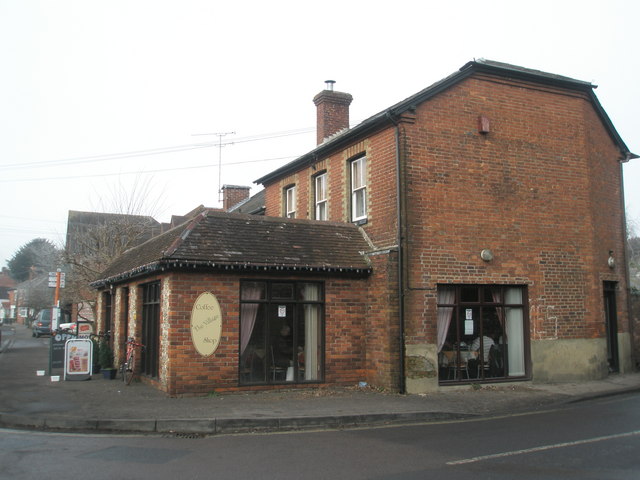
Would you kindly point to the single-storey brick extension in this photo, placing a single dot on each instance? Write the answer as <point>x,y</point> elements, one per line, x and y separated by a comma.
<point>472,233</point>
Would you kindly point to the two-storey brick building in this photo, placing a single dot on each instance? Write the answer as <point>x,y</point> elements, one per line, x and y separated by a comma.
<point>473,232</point>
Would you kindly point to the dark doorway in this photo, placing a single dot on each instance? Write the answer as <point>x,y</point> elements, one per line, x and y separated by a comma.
<point>611,325</point>
<point>150,328</point>
<point>108,315</point>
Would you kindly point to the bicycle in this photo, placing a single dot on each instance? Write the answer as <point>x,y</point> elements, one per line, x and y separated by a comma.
<point>128,368</point>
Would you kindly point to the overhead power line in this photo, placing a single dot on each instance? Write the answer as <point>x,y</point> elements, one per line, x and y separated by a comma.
<point>138,172</point>
<point>150,151</point>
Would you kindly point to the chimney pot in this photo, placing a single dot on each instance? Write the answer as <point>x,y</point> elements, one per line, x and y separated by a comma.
<point>332,111</point>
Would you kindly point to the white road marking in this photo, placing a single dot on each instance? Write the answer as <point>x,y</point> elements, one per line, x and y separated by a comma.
<point>544,447</point>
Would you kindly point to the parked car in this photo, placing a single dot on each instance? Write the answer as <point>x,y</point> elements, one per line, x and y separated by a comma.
<point>68,327</point>
<point>42,322</point>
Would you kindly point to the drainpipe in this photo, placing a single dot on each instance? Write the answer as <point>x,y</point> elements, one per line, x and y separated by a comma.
<point>400,242</point>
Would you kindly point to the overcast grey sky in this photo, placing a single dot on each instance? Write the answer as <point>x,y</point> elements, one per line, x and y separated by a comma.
<point>96,96</point>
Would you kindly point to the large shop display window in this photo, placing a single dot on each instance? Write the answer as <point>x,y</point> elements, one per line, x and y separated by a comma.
<point>281,332</point>
<point>482,332</point>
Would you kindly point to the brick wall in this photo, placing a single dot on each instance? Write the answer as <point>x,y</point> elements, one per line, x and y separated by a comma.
<point>232,195</point>
<point>381,187</point>
<point>525,190</point>
<point>332,113</point>
<point>184,371</point>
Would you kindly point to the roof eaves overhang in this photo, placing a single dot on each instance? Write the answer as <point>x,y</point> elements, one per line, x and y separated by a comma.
<point>140,271</point>
<point>211,266</point>
<point>626,154</point>
<point>512,71</point>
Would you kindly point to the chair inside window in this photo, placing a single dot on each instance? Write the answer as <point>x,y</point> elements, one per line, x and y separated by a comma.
<point>277,372</point>
<point>253,366</point>
<point>496,361</point>
<point>455,368</point>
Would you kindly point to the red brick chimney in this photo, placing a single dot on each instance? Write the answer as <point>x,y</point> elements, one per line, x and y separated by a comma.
<point>233,194</point>
<point>332,111</point>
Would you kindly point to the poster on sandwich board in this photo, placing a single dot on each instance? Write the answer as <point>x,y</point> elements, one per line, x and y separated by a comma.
<point>78,359</point>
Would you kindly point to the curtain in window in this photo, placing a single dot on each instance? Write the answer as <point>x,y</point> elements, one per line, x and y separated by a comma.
<point>359,188</point>
<point>446,295</point>
<point>321,197</point>
<point>312,333</point>
<point>515,332</point>
<point>495,294</point>
<point>248,313</point>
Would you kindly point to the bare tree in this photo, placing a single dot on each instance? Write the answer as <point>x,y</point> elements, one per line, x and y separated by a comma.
<point>94,240</point>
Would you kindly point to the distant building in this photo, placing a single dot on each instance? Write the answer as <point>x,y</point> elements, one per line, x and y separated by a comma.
<point>7,284</point>
<point>81,228</point>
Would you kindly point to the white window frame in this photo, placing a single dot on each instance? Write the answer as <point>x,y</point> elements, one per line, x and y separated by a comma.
<point>290,202</point>
<point>359,189</point>
<point>320,194</point>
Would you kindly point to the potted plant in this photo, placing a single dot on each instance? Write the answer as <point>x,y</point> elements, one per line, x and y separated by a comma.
<point>96,356</point>
<point>105,359</point>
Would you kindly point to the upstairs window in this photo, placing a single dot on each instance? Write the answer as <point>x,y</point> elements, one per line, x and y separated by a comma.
<point>359,189</point>
<point>290,202</point>
<point>320,183</point>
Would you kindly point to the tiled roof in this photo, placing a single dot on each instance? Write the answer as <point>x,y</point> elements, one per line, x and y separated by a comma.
<point>219,240</point>
<point>253,205</point>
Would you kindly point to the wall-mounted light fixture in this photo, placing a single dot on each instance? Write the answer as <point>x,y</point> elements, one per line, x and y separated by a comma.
<point>486,255</point>
<point>611,261</point>
<point>484,126</point>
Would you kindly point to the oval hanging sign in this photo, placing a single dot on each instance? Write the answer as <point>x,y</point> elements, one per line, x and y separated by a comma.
<point>206,324</point>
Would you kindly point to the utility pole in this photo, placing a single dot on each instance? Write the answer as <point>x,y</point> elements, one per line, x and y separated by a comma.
<point>56,280</point>
<point>219,135</point>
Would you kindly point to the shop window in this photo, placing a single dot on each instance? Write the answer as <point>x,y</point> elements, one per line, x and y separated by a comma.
<point>124,324</point>
<point>150,329</point>
<point>282,291</point>
<point>108,311</point>
<point>281,332</point>
<point>481,332</point>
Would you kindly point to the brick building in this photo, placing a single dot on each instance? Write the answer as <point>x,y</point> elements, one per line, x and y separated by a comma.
<point>487,215</point>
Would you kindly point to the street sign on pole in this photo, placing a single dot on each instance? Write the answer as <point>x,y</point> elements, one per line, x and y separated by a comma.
<point>53,279</point>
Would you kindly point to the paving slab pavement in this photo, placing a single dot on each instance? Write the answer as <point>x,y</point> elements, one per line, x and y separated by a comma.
<point>99,405</point>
